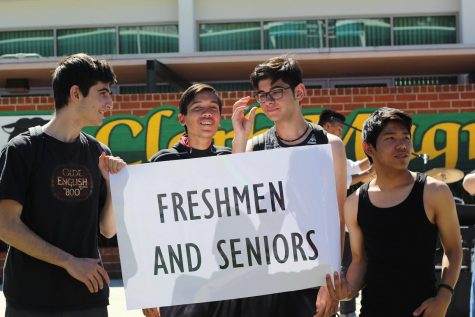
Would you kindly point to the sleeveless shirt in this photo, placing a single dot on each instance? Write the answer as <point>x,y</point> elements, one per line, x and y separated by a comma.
<point>400,244</point>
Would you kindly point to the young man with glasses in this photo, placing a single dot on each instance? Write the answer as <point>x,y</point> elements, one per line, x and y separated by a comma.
<point>280,90</point>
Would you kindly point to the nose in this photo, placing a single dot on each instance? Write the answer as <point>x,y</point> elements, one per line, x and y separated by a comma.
<point>109,103</point>
<point>402,145</point>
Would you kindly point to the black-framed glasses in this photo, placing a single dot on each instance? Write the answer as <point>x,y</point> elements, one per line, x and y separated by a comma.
<point>272,95</point>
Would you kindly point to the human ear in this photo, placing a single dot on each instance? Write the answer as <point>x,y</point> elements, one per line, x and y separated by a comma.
<point>181,119</point>
<point>74,92</point>
<point>299,92</point>
<point>368,149</point>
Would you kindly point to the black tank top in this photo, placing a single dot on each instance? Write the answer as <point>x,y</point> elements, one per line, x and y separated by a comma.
<point>400,244</point>
<point>268,140</point>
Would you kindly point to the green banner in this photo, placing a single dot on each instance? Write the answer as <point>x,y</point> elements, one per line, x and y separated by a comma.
<point>448,139</point>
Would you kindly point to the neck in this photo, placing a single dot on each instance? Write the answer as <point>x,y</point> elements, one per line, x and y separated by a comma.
<point>389,179</point>
<point>199,143</point>
<point>63,127</point>
<point>291,130</point>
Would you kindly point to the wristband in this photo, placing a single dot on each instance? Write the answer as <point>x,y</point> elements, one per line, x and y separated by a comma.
<point>450,288</point>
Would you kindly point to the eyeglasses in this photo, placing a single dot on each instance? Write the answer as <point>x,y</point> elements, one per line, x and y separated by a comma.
<point>273,95</point>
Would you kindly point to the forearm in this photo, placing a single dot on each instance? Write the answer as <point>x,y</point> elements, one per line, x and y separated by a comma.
<point>239,144</point>
<point>107,219</point>
<point>355,276</point>
<point>451,264</point>
<point>363,177</point>
<point>18,235</point>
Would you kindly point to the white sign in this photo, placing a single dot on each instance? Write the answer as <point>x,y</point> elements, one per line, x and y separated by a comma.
<point>226,227</point>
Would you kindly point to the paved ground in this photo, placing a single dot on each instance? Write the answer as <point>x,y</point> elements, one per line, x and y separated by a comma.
<point>116,299</point>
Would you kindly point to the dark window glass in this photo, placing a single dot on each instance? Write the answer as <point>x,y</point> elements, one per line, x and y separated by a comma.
<point>230,36</point>
<point>31,42</point>
<point>425,30</point>
<point>93,41</point>
<point>294,34</point>
<point>359,32</point>
<point>148,39</point>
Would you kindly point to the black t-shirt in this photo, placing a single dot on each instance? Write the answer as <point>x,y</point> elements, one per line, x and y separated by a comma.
<point>62,193</point>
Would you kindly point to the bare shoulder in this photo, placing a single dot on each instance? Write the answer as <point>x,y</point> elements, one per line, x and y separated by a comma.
<point>437,195</point>
<point>434,187</point>
<point>351,203</point>
<point>334,140</point>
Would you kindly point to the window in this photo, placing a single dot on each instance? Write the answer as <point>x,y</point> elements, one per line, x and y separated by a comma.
<point>93,41</point>
<point>230,36</point>
<point>424,30</point>
<point>294,34</point>
<point>148,39</point>
<point>37,42</point>
<point>359,32</point>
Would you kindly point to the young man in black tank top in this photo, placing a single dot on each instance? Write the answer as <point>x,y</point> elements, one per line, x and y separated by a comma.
<point>200,114</point>
<point>279,86</point>
<point>393,223</point>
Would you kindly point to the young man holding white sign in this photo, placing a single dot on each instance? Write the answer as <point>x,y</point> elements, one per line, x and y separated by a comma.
<point>393,223</point>
<point>279,91</point>
<point>200,114</point>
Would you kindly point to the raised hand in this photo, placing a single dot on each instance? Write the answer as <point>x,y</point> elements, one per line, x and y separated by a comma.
<point>110,164</point>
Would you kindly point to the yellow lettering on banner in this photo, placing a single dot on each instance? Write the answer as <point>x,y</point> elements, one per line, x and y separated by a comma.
<point>312,117</point>
<point>222,136</point>
<point>175,139</point>
<point>450,150</point>
<point>470,128</point>
<point>357,123</point>
<point>153,131</point>
<point>104,132</point>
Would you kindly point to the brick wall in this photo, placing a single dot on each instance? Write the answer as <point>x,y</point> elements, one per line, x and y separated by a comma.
<point>414,100</point>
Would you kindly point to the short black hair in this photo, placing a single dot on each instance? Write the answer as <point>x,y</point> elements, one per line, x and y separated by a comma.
<point>331,116</point>
<point>283,68</point>
<point>373,126</point>
<point>191,92</point>
<point>81,70</point>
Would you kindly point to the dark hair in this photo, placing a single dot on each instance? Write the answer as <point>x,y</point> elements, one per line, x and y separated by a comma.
<point>191,92</point>
<point>278,68</point>
<point>330,116</point>
<point>373,126</point>
<point>81,70</point>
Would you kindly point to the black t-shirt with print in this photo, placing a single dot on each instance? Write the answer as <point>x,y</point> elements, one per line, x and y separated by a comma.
<point>62,193</point>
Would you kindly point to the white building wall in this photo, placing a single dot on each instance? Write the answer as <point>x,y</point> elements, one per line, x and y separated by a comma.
<point>19,14</point>
<point>221,10</point>
<point>467,21</point>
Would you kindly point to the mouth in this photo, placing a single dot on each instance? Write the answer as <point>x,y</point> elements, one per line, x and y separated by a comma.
<point>401,155</point>
<point>206,122</point>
